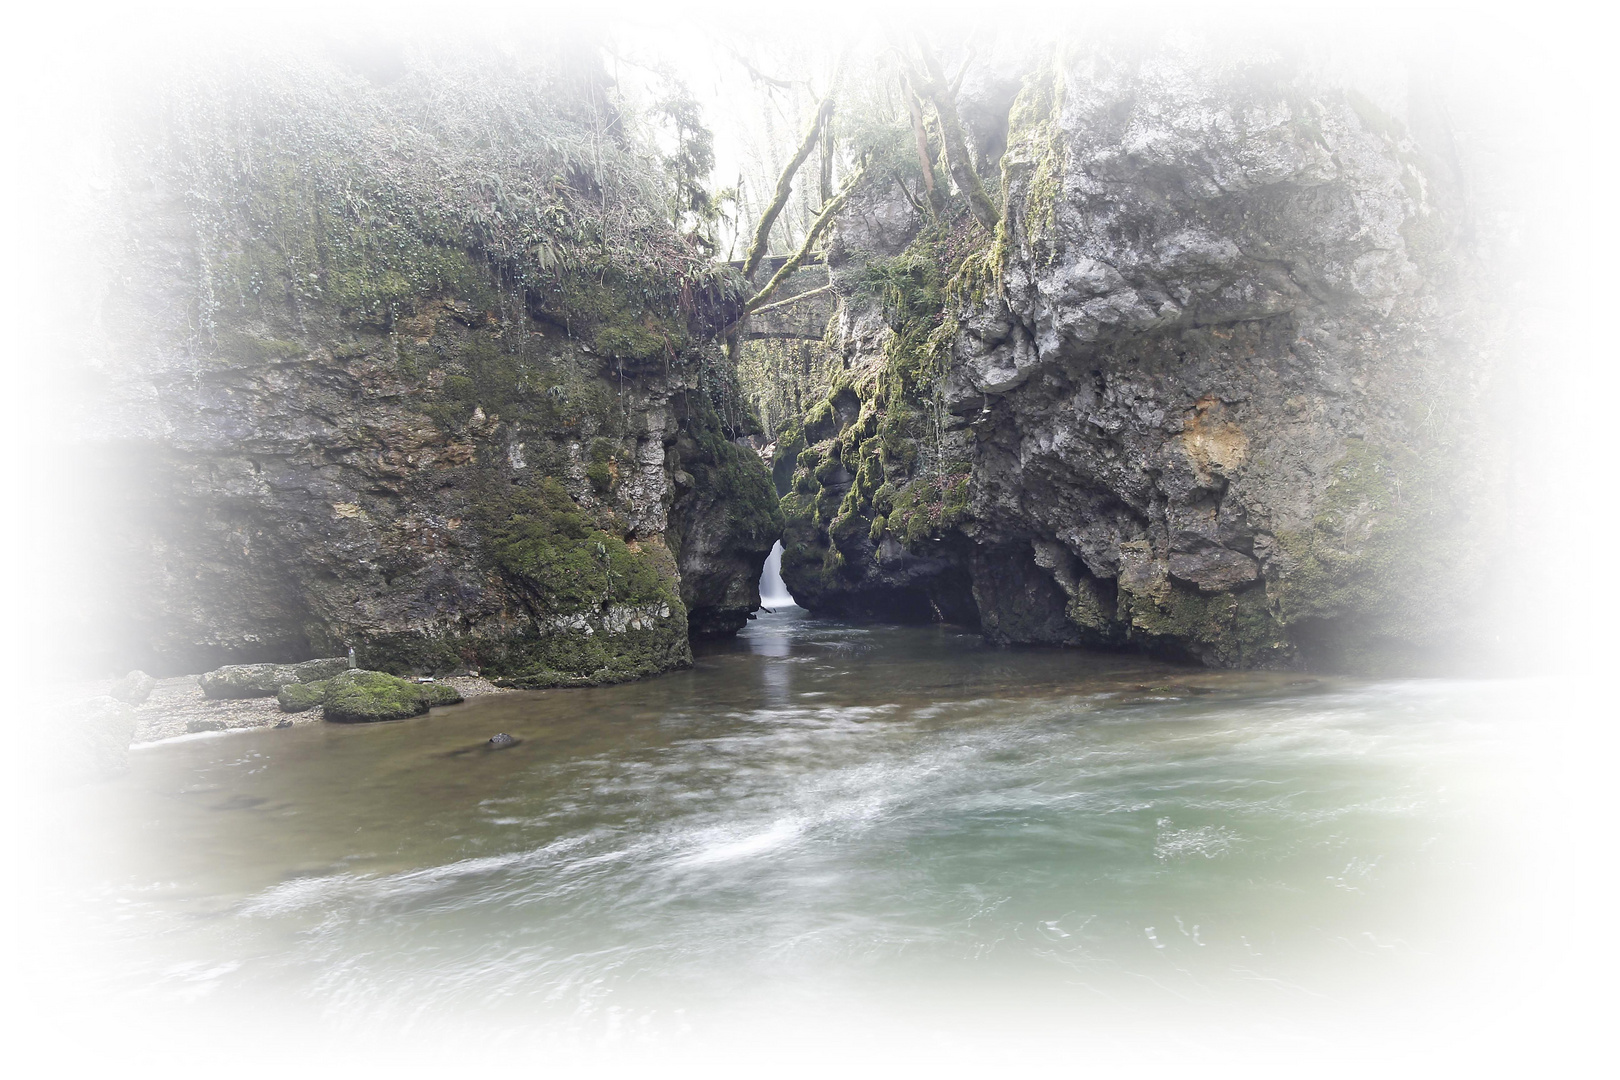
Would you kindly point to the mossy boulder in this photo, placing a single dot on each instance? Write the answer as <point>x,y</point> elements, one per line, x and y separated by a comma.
<point>436,694</point>
<point>266,680</point>
<point>311,671</point>
<point>301,697</point>
<point>364,696</point>
<point>246,680</point>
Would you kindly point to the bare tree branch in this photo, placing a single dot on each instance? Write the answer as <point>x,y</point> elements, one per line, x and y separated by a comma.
<point>759,76</point>
<point>950,128</point>
<point>784,188</point>
<point>916,203</point>
<point>822,223</point>
<point>925,157</point>
<point>794,299</point>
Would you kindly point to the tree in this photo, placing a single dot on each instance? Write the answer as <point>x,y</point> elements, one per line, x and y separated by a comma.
<point>784,187</point>
<point>941,94</point>
<point>692,208</point>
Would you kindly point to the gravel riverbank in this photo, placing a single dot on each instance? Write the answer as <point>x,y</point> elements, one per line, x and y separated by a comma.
<point>177,707</point>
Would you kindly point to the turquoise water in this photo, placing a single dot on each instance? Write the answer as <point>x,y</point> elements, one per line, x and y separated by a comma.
<point>827,823</point>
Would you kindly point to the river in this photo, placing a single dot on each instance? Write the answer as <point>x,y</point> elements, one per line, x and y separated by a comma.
<point>822,826</point>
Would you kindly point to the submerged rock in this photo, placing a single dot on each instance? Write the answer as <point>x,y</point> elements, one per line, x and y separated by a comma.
<point>359,696</point>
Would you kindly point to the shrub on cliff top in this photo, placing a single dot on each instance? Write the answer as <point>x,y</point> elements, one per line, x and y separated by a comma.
<point>309,187</point>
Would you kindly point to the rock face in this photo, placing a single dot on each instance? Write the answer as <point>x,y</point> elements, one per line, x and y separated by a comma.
<point>1205,392</point>
<point>382,367</point>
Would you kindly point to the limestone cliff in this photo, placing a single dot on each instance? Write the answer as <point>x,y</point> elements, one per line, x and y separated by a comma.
<point>1206,390</point>
<point>408,357</point>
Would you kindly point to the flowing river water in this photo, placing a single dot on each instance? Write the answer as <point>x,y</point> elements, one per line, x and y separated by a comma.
<point>821,823</point>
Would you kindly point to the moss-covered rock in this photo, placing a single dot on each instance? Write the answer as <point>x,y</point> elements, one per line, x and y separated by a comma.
<point>437,694</point>
<point>266,680</point>
<point>880,485</point>
<point>1137,446</point>
<point>363,696</point>
<point>301,697</point>
<point>246,680</point>
<point>324,668</point>
<point>724,522</point>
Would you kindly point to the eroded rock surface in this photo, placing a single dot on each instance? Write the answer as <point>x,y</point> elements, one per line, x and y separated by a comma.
<point>376,368</point>
<point>1208,391</point>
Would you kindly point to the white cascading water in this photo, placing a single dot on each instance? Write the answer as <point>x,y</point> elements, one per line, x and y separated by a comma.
<point>773,592</point>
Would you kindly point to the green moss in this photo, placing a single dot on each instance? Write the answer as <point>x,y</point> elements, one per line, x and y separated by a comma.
<point>565,659</point>
<point>365,696</point>
<point>733,476</point>
<point>301,697</point>
<point>1035,149</point>
<point>618,316</point>
<point>1225,629</point>
<point>438,694</point>
<point>247,348</point>
<point>453,405</point>
<point>818,422</point>
<point>564,562</point>
<point>420,653</point>
<point>603,470</point>
<point>576,575</point>
<point>520,382</point>
<point>899,468</point>
<point>789,444</point>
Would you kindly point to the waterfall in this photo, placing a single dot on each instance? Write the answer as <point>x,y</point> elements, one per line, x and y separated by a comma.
<point>773,591</point>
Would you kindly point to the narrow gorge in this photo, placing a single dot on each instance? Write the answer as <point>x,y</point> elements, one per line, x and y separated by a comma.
<point>623,543</point>
<point>416,359</point>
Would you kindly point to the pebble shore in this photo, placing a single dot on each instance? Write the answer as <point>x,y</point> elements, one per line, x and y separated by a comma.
<point>177,707</point>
